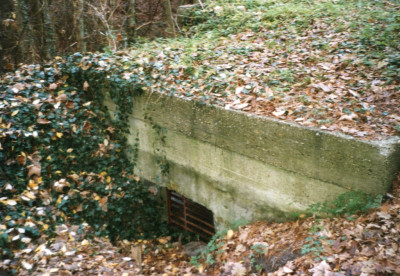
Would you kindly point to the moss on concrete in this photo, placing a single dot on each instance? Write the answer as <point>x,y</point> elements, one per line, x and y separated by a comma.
<point>246,167</point>
<point>334,158</point>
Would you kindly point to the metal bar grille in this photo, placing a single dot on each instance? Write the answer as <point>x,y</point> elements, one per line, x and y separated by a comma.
<point>190,216</point>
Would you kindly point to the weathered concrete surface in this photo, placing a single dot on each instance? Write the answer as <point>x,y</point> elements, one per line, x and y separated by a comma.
<point>247,167</point>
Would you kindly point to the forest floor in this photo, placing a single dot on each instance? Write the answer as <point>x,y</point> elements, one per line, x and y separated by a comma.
<point>364,244</point>
<point>333,65</point>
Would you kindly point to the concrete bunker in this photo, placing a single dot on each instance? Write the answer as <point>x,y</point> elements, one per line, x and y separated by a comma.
<point>246,167</point>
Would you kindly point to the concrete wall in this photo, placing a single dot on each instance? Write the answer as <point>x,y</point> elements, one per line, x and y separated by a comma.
<point>248,167</point>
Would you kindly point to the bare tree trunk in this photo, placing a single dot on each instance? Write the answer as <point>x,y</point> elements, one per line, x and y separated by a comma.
<point>26,41</point>
<point>47,30</point>
<point>8,35</point>
<point>169,17</point>
<point>79,25</point>
<point>131,22</point>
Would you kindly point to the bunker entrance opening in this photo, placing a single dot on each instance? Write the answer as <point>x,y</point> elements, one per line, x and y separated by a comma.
<point>190,216</point>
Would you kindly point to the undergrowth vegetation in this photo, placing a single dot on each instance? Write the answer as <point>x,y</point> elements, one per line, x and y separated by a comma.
<point>63,159</point>
<point>327,64</point>
<point>372,28</point>
<point>347,204</point>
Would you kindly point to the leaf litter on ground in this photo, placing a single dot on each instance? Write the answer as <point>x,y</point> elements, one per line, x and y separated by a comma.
<point>327,71</point>
<point>368,244</point>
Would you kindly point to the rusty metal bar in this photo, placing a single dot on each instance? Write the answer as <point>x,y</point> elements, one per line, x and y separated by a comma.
<point>169,205</point>
<point>201,221</point>
<point>202,229</point>
<point>184,212</point>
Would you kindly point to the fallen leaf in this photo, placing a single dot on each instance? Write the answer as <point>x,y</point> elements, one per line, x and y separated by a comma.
<point>21,159</point>
<point>61,98</point>
<point>34,169</point>
<point>239,90</point>
<point>325,88</point>
<point>85,86</point>
<point>26,265</point>
<point>43,121</point>
<point>348,117</point>
<point>26,240</point>
<point>53,86</point>
<point>240,106</point>
<point>229,234</point>
<point>11,202</point>
<point>287,270</point>
<point>279,113</point>
<point>32,184</point>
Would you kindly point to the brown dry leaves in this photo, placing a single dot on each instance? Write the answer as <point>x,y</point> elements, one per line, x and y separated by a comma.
<point>71,253</point>
<point>313,78</point>
<point>368,245</point>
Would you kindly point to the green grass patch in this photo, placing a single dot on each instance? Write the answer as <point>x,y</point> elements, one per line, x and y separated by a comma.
<point>348,204</point>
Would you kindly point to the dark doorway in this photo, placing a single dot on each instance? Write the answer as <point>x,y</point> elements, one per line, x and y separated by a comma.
<point>190,216</point>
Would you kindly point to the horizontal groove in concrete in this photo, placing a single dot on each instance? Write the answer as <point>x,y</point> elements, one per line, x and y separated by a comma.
<point>242,166</point>
<point>338,159</point>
